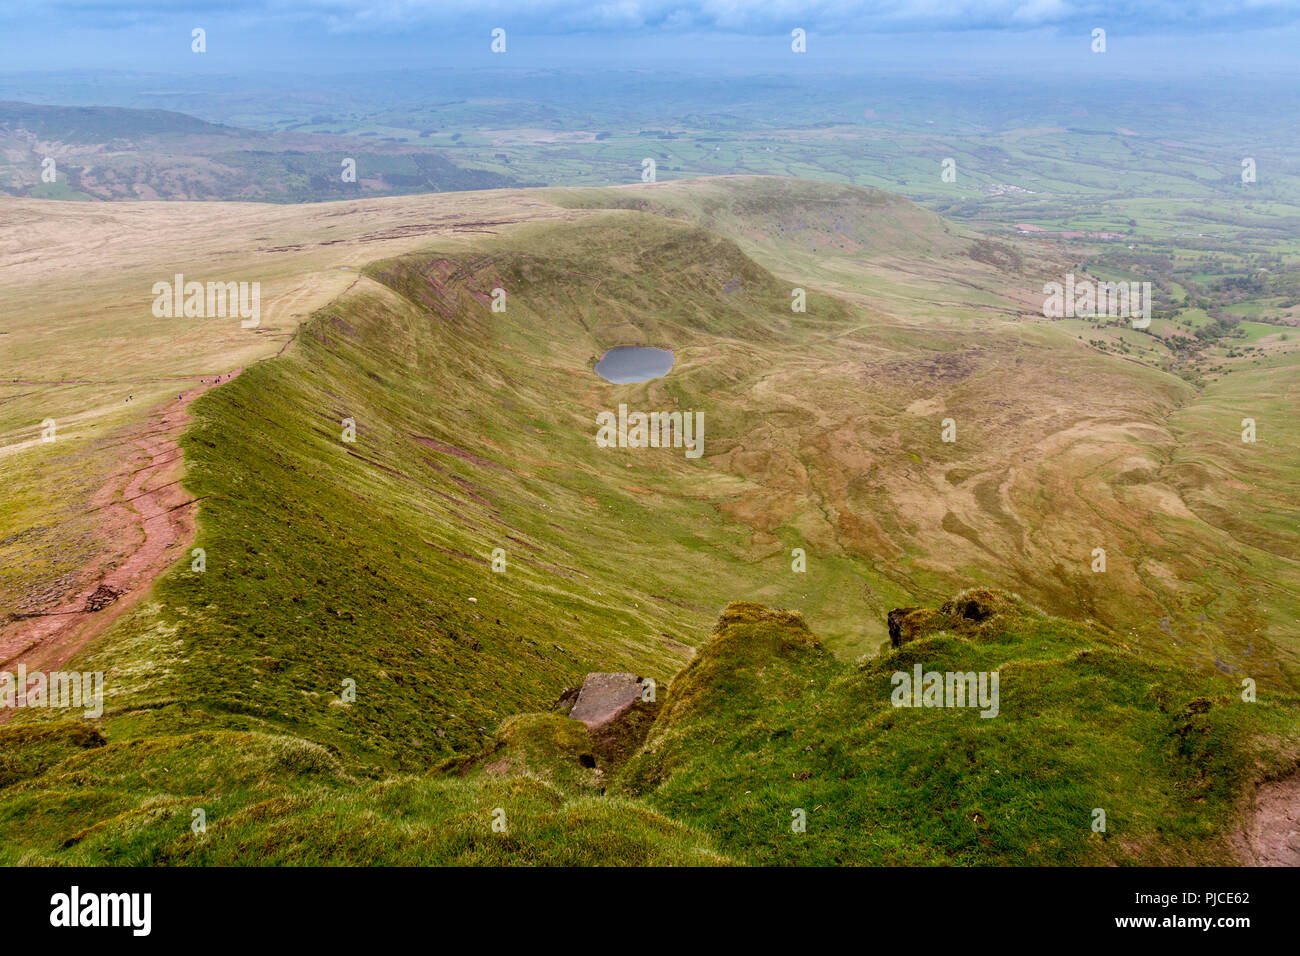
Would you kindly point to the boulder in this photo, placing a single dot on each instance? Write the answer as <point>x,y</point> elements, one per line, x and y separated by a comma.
<point>615,715</point>
<point>605,697</point>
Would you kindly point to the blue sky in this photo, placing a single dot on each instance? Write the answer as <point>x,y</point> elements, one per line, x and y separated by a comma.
<point>322,36</point>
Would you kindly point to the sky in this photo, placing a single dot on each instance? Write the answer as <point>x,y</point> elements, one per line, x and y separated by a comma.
<point>341,36</point>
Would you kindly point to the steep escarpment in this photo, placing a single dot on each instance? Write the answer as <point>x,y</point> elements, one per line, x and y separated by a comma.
<point>408,530</point>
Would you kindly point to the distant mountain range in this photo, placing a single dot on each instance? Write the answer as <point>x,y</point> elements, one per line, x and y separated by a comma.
<point>113,153</point>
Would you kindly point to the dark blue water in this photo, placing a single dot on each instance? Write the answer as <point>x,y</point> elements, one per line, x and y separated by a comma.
<point>634,364</point>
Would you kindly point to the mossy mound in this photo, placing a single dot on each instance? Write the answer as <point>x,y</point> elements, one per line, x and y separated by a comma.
<point>972,613</point>
<point>27,750</point>
<point>548,746</point>
<point>764,729</point>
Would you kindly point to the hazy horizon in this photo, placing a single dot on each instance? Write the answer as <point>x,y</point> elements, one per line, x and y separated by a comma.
<point>324,37</point>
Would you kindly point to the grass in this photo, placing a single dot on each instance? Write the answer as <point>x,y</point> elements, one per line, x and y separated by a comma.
<point>763,723</point>
<point>285,801</point>
<point>340,567</point>
<point>766,722</point>
<point>77,336</point>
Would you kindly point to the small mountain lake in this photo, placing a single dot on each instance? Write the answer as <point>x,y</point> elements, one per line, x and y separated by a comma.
<point>627,364</point>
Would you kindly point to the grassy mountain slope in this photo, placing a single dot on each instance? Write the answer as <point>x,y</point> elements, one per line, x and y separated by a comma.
<point>77,336</point>
<point>900,261</point>
<point>337,565</point>
<point>330,560</point>
<point>1060,449</point>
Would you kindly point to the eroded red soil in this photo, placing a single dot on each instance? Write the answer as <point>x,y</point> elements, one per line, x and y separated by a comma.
<point>147,522</point>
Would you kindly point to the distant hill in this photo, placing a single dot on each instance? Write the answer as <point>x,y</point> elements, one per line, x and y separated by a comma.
<point>100,124</point>
<point>113,154</point>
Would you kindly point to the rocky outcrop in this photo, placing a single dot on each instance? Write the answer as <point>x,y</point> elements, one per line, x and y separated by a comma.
<point>908,623</point>
<point>965,614</point>
<point>103,596</point>
<point>604,697</point>
<point>978,604</point>
<point>617,710</point>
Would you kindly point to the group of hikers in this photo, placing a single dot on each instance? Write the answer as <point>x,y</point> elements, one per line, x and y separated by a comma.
<point>181,395</point>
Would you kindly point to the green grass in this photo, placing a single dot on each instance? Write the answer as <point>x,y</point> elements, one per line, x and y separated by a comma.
<point>335,565</point>
<point>282,801</point>
<point>765,722</point>
<point>330,561</point>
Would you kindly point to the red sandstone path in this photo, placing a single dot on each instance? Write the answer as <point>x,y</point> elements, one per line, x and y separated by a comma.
<point>1270,835</point>
<point>148,520</point>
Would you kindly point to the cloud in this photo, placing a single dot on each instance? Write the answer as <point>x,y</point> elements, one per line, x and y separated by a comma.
<point>556,17</point>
